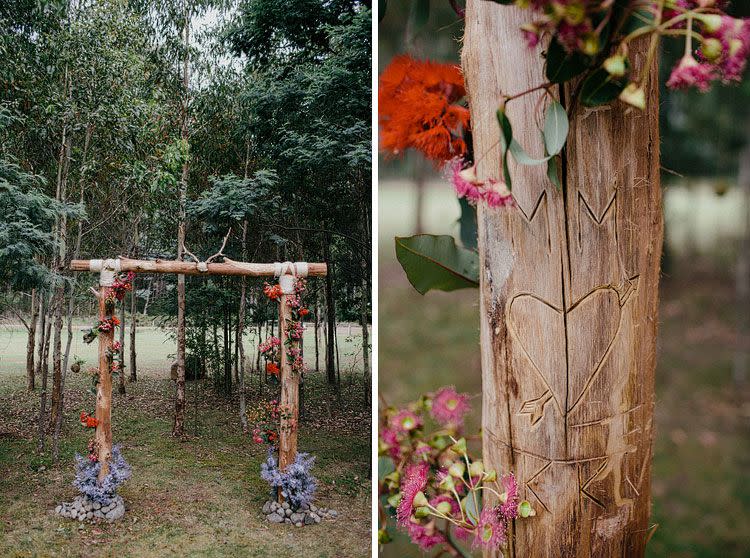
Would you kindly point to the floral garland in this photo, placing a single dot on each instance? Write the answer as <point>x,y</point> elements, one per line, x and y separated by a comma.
<point>267,419</point>
<point>423,104</point>
<point>432,485</point>
<point>270,349</point>
<point>294,329</point>
<point>87,469</point>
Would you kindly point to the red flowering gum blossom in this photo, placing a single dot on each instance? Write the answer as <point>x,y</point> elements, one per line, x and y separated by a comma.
<point>418,103</point>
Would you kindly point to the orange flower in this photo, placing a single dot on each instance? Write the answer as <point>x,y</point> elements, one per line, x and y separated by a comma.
<point>115,321</point>
<point>418,109</point>
<point>272,368</point>
<point>273,292</point>
<point>304,312</point>
<point>88,421</point>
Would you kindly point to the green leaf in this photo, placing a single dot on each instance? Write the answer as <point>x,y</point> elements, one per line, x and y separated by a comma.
<point>468,224</point>
<point>563,66</point>
<point>524,158</point>
<point>506,139</point>
<point>382,7</point>
<point>552,172</point>
<point>435,262</point>
<point>636,20</point>
<point>385,467</point>
<point>601,88</point>
<point>470,507</point>
<point>421,13</point>
<point>556,128</point>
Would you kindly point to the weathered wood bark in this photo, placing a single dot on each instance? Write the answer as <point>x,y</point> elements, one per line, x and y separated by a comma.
<point>568,306</point>
<point>103,435</point>
<point>31,340</point>
<point>289,392</point>
<point>228,267</point>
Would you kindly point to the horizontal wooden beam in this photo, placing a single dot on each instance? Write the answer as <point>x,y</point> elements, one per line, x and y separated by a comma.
<point>227,267</point>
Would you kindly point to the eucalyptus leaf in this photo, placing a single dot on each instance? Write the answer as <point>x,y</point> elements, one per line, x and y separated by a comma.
<point>601,88</point>
<point>520,155</point>
<point>556,127</point>
<point>385,466</point>
<point>552,173</point>
<point>436,262</point>
<point>470,507</point>
<point>421,13</point>
<point>563,66</point>
<point>506,139</point>
<point>382,7</point>
<point>468,224</point>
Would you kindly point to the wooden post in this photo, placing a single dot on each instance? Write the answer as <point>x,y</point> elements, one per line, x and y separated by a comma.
<point>103,435</point>
<point>568,305</point>
<point>289,380</point>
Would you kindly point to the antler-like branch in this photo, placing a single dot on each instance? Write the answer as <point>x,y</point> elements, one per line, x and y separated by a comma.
<point>220,253</point>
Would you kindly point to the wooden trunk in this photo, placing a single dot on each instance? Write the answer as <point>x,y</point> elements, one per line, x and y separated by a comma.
<point>568,309</point>
<point>289,393</point>
<point>103,436</point>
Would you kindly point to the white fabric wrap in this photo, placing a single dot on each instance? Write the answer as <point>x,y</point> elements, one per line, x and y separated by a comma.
<point>287,272</point>
<point>202,267</point>
<point>107,269</point>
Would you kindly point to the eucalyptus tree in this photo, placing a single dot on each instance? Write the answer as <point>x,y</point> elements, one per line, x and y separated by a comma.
<point>309,100</point>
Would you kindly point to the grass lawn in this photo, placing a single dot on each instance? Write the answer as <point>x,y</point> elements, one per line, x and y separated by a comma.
<point>195,497</point>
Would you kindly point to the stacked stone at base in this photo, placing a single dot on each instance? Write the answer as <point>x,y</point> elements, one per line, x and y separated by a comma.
<point>304,515</point>
<point>84,509</point>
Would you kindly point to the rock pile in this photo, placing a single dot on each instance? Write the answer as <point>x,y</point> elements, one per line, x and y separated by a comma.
<point>304,515</point>
<point>85,509</point>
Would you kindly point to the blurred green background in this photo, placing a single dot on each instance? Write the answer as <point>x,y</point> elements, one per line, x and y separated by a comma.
<point>701,473</point>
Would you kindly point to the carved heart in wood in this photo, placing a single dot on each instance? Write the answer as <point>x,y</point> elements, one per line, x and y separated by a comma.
<point>586,330</point>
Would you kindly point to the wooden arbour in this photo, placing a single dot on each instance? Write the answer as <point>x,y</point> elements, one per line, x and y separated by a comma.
<point>287,274</point>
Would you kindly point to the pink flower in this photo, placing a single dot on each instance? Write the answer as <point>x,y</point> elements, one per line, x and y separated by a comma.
<point>460,177</point>
<point>414,481</point>
<point>390,439</point>
<point>734,35</point>
<point>509,508</point>
<point>691,73</point>
<point>449,406</point>
<point>461,533</point>
<point>425,536</point>
<point>405,421</point>
<point>490,531</point>
<point>496,194</point>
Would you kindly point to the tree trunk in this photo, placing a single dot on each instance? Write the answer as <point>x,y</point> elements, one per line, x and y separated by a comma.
<point>31,340</point>
<point>568,304</point>
<point>58,263</point>
<point>179,405</point>
<point>133,325</point>
<point>742,354</point>
<point>240,332</point>
<point>42,370</point>
<point>317,333</point>
<point>103,435</point>
<point>330,314</point>
<point>121,373</point>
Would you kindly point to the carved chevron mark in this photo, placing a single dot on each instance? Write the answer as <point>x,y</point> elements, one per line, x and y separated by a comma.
<point>583,487</point>
<point>585,207</point>
<point>529,217</point>
<point>535,407</point>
